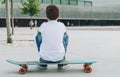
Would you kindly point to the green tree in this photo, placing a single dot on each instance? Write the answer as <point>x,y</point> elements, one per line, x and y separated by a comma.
<point>31,7</point>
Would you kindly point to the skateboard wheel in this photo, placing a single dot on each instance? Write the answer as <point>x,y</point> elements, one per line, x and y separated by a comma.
<point>22,71</point>
<point>85,65</point>
<point>26,67</point>
<point>88,69</point>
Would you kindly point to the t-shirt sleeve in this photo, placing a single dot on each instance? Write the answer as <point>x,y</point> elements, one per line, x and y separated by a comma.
<point>41,27</point>
<point>64,28</point>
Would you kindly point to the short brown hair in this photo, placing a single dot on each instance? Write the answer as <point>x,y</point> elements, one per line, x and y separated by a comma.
<point>52,12</point>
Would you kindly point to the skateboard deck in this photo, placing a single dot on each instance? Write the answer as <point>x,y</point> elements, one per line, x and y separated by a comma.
<point>24,64</point>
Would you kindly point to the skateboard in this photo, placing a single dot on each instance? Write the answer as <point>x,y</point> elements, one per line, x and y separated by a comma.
<point>24,64</point>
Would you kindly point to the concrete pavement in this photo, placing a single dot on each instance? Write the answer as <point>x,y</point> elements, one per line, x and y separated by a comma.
<point>100,45</point>
<point>25,33</point>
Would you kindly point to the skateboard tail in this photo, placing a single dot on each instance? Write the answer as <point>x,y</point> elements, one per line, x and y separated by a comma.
<point>12,62</point>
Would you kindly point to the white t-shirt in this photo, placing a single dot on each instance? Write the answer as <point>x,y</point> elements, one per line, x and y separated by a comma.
<point>52,48</point>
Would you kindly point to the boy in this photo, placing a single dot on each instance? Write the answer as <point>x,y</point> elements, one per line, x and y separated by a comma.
<point>52,39</point>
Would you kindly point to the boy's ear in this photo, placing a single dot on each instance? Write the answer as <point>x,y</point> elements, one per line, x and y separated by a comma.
<point>47,18</point>
<point>58,17</point>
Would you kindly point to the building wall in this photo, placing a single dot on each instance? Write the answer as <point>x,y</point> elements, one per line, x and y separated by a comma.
<point>78,14</point>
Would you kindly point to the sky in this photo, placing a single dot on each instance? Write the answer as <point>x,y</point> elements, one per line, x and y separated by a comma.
<point>108,3</point>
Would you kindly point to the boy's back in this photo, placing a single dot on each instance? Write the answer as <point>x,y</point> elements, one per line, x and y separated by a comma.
<point>52,48</point>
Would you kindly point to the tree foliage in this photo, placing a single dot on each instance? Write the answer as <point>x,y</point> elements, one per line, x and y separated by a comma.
<point>3,1</point>
<point>31,7</point>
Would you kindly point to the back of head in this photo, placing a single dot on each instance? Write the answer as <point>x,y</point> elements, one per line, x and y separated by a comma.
<point>52,12</point>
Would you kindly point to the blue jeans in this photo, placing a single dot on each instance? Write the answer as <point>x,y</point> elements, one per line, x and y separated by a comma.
<point>38,40</point>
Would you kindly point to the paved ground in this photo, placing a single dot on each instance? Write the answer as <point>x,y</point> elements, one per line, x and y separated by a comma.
<point>100,45</point>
